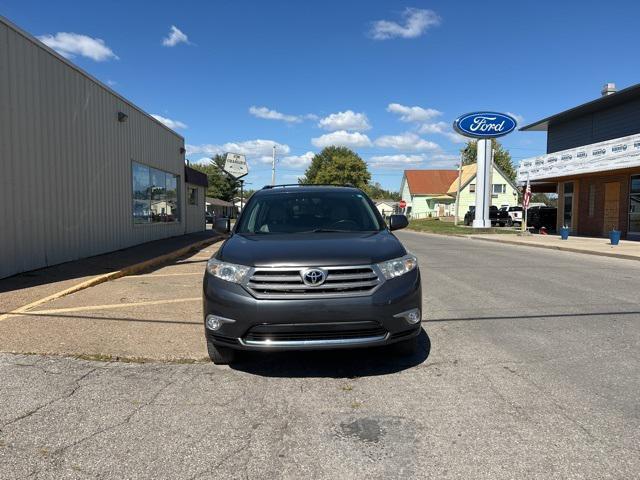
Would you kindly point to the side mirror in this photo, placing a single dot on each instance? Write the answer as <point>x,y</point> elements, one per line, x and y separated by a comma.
<point>222,225</point>
<point>396,222</point>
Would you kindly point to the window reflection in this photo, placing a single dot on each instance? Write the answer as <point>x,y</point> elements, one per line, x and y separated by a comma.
<point>155,195</point>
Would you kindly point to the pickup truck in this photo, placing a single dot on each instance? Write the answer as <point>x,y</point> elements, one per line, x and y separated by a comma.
<point>538,217</point>
<point>497,217</point>
<point>516,214</point>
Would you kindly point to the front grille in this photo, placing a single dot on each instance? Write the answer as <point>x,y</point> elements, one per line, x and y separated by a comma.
<point>292,333</point>
<point>286,282</point>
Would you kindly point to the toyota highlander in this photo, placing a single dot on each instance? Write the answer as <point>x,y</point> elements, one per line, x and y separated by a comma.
<point>310,267</point>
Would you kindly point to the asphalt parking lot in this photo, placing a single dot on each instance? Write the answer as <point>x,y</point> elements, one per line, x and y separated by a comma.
<point>528,368</point>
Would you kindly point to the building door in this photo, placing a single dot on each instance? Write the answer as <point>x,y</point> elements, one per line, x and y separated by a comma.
<point>611,206</point>
<point>568,205</point>
<point>634,205</point>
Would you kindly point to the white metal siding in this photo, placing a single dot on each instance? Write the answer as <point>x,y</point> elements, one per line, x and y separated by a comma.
<point>65,161</point>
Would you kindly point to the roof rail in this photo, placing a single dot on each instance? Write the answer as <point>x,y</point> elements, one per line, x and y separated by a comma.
<point>268,187</point>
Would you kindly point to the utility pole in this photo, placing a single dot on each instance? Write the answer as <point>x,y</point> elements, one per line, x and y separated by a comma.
<point>273,167</point>
<point>455,220</point>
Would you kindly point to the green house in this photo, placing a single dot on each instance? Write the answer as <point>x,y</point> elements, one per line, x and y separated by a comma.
<point>432,193</point>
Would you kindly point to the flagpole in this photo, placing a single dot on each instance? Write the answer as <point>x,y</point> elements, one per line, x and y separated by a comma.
<point>526,200</point>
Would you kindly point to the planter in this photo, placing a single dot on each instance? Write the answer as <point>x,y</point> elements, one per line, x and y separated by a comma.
<point>614,236</point>
<point>564,233</point>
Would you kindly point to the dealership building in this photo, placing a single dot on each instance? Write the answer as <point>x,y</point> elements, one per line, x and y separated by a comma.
<point>592,163</point>
<point>83,171</point>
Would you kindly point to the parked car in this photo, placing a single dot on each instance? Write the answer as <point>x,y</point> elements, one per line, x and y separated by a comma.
<point>209,217</point>
<point>516,213</point>
<point>497,216</point>
<point>310,267</point>
<point>538,217</point>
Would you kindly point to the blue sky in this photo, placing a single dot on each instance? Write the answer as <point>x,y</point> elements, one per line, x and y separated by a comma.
<point>331,72</point>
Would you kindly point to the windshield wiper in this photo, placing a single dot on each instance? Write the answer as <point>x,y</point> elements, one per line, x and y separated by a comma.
<point>327,230</point>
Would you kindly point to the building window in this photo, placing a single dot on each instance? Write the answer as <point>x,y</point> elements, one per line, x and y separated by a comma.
<point>155,195</point>
<point>592,199</point>
<point>634,205</point>
<point>193,196</point>
<point>472,188</point>
<point>499,188</point>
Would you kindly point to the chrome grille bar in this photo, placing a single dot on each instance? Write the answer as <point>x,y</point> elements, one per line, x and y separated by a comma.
<point>287,282</point>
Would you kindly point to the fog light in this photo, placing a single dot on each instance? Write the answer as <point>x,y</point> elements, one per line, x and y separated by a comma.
<point>412,316</point>
<point>214,322</point>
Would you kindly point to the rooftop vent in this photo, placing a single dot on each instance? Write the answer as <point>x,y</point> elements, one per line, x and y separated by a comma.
<point>608,89</point>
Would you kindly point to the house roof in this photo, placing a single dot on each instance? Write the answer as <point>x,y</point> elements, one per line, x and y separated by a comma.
<point>217,201</point>
<point>430,182</point>
<point>468,173</point>
<point>606,101</point>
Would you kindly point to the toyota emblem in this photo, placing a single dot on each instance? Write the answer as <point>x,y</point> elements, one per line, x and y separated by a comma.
<point>314,277</point>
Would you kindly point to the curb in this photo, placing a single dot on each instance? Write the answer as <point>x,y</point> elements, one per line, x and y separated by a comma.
<point>556,247</point>
<point>105,277</point>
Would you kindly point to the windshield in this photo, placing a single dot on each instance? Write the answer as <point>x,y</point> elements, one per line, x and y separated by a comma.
<point>307,212</point>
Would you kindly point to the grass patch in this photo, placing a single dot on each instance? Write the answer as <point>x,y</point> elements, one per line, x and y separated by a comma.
<point>433,225</point>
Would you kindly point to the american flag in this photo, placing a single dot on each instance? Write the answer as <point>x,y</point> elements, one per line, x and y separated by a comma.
<point>527,195</point>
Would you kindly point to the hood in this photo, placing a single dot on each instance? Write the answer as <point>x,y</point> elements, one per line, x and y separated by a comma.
<point>311,249</point>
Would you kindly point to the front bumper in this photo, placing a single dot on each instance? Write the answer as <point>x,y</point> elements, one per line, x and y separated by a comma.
<point>314,323</point>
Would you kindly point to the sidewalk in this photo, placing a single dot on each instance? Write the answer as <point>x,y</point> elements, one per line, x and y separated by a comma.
<point>594,246</point>
<point>24,288</point>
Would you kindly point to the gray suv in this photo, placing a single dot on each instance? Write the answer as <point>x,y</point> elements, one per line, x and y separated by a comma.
<point>310,267</point>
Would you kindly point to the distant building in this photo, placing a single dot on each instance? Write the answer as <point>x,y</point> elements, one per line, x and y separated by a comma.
<point>432,193</point>
<point>592,163</point>
<point>220,208</point>
<point>83,171</point>
<point>386,207</point>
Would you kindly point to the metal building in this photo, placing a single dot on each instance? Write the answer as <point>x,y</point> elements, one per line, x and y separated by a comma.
<point>83,171</point>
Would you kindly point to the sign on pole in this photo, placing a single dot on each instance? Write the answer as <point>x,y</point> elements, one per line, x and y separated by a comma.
<point>235,165</point>
<point>484,126</point>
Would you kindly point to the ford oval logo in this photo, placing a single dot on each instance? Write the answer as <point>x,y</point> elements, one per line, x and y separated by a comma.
<point>314,277</point>
<point>484,124</point>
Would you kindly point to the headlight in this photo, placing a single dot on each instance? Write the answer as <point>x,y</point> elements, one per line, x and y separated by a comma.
<point>398,266</point>
<point>227,271</point>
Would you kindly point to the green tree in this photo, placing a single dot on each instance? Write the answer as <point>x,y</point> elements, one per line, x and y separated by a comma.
<point>338,165</point>
<point>221,185</point>
<point>375,190</point>
<point>501,157</point>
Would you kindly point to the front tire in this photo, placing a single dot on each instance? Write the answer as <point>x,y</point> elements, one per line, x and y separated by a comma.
<point>221,355</point>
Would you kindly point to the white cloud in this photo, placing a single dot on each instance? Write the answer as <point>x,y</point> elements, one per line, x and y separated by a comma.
<point>408,142</point>
<point>443,160</point>
<point>175,37</point>
<point>413,114</point>
<point>112,83</point>
<point>416,23</point>
<point>173,124</point>
<point>442,128</point>
<point>519,118</point>
<point>396,161</point>
<point>70,44</point>
<point>268,114</point>
<point>260,150</point>
<point>342,138</point>
<point>348,120</point>
<point>297,161</point>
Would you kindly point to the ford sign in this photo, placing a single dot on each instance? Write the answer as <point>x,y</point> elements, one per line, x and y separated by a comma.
<point>484,124</point>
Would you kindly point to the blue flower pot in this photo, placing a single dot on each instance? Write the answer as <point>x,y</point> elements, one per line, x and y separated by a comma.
<point>614,236</point>
<point>564,233</point>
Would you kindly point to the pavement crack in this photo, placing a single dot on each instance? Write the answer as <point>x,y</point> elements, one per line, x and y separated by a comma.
<point>65,396</point>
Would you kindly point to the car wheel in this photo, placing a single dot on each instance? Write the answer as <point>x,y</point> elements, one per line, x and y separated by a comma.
<point>221,355</point>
